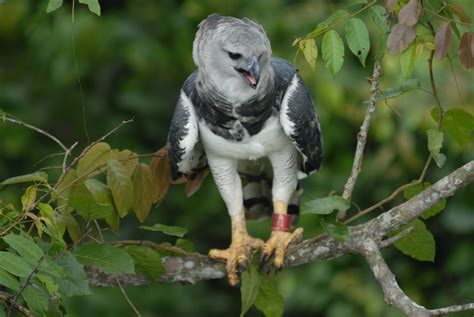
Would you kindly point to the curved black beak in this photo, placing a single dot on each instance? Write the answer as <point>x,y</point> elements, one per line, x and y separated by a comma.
<point>250,70</point>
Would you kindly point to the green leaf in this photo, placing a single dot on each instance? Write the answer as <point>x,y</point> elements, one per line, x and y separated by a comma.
<point>435,143</point>
<point>457,123</point>
<point>28,198</point>
<point>326,205</point>
<point>357,37</point>
<point>95,157</point>
<point>72,226</point>
<point>310,51</point>
<point>406,86</point>
<point>435,209</point>
<point>250,287</point>
<point>121,186</point>
<point>36,299</point>
<point>186,245</point>
<point>91,200</point>
<point>128,158</point>
<point>51,287</point>
<point>168,230</point>
<point>38,177</point>
<point>75,282</point>
<point>143,191</point>
<point>378,15</point>
<point>64,189</point>
<point>337,231</point>
<point>9,281</point>
<point>269,300</point>
<point>53,5</point>
<point>408,59</point>
<point>419,244</point>
<point>147,261</point>
<point>25,247</point>
<point>105,257</point>
<point>333,51</point>
<point>14,264</point>
<point>93,5</point>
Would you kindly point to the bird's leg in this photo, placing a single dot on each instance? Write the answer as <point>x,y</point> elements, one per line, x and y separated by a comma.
<point>240,250</point>
<point>281,237</point>
<point>228,182</point>
<point>284,184</point>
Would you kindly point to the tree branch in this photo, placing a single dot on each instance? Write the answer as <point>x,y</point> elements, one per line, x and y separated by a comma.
<point>366,240</point>
<point>362,137</point>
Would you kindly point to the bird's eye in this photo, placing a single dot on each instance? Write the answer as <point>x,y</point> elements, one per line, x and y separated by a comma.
<point>235,55</point>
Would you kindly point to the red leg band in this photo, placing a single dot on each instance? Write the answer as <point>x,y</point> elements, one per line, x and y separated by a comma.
<point>281,222</point>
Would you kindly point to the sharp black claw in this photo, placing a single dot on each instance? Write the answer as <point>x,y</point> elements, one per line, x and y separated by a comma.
<point>262,260</point>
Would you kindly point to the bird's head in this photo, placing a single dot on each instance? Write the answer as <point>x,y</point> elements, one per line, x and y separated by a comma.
<point>233,53</point>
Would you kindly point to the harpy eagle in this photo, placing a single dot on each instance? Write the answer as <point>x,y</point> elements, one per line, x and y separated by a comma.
<point>241,108</point>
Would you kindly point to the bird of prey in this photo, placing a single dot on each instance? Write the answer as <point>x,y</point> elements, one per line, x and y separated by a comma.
<point>238,110</point>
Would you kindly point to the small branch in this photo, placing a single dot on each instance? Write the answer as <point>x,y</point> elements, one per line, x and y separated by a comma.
<point>362,137</point>
<point>451,309</point>
<point>31,127</point>
<point>24,286</point>
<point>385,243</point>
<point>129,301</point>
<point>8,302</point>
<point>434,90</point>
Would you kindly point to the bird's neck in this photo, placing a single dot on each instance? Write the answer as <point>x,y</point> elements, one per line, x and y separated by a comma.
<point>234,90</point>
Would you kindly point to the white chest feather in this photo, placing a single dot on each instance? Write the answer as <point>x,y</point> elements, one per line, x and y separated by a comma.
<point>270,139</point>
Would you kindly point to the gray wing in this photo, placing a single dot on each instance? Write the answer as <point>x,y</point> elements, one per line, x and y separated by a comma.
<point>185,150</point>
<point>300,122</point>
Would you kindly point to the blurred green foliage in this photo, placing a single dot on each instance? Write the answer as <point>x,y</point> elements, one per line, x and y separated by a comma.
<point>132,61</point>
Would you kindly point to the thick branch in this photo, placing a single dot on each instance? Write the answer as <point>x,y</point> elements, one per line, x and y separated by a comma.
<point>193,268</point>
<point>394,295</point>
<point>366,239</point>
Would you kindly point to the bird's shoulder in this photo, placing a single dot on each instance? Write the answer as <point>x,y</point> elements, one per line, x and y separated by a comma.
<point>284,73</point>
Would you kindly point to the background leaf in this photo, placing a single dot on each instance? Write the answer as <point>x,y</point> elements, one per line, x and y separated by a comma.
<point>466,50</point>
<point>121,186</point>
<point>357,37</point>
<point>435,143</point>
<point>250,288</point>
<point>97,156</point>
<point>53,5</point>
<point>400,38</point>
<point>147,261</point>
<point>74,282</point>
<point>14,264</point>
<point>9,281</point>
<point>310,51</point>
<point>25,247</point>
<point>409,14</point>
<point>337,231</point>
<point>93,5</point>
<point>40,177</point>
<point>326,205</point>
<point>161,171</point>
<point>457,123</point>
<point>168,230</point>
<point>105,257</point>
<point>143,191</point>
<point>419,244</point>
<point>269,300</point>
<point>333,51</point>
<point>442,40</point>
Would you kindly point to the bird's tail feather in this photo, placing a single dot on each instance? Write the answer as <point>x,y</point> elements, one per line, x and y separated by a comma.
<point>257,178</point>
